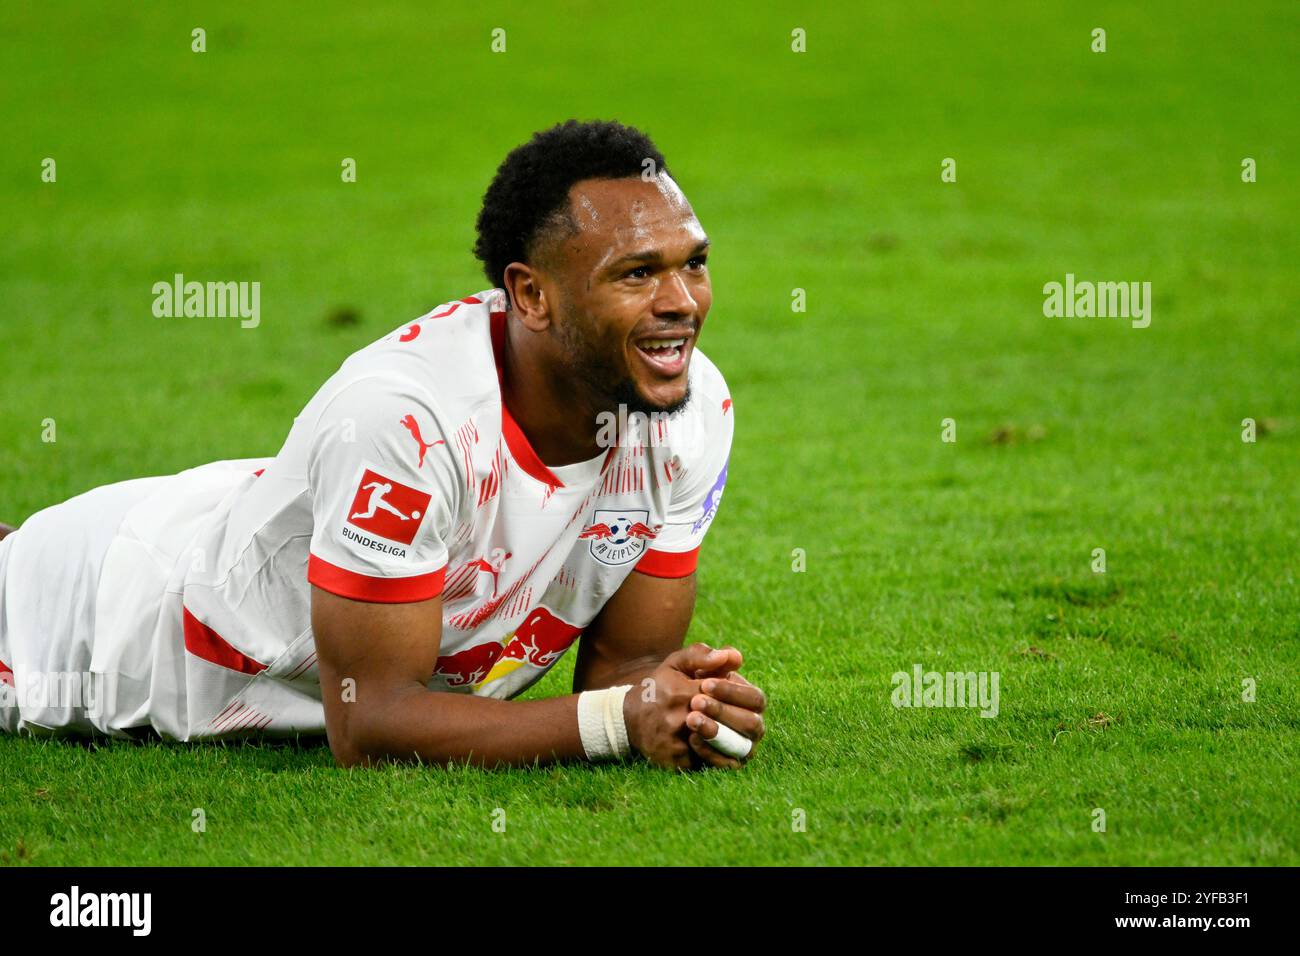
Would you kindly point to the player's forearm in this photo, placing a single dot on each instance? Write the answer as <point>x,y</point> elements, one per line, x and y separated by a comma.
<point>442,727</point>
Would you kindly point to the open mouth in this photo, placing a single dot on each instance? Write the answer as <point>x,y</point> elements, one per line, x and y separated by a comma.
<point>665,355</point>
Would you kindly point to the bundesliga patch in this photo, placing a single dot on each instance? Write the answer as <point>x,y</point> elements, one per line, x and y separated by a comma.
<point>387,509</point>
<point>618,537</point>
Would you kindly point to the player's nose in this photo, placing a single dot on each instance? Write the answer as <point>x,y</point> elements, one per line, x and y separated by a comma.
<point>674,299</point>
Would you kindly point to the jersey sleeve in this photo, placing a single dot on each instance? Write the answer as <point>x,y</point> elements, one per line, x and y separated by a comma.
<point>696,491</point>
<point>385,490</point>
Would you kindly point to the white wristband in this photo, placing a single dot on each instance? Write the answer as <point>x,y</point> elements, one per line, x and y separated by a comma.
<point>600,723</point>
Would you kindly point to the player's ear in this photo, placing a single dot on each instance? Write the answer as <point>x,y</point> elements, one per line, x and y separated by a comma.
<point>527,296</point>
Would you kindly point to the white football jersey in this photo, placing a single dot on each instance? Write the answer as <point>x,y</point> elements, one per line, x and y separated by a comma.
<point>405,477</point>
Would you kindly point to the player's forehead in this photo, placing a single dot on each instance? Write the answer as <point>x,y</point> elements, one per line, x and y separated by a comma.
<point>616,215</point>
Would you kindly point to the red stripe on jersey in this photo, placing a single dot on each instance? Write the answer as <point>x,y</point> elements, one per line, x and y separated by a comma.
<point>362,587</point>
<point>6,675</point>
<point>225,710</point>
<point>248,720</point>
<point>216,724</point>
<point>205,643</point>
<point>490,487</point>
<point>301,668</point>
<point>668,564</point>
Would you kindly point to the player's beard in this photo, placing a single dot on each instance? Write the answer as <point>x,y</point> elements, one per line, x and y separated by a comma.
<point>608,386</point>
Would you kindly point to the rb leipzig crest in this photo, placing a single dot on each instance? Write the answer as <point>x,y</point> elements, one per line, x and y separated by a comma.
<point>618,537</point>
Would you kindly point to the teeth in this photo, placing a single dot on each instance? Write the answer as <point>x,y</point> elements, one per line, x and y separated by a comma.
<point>664,343</point>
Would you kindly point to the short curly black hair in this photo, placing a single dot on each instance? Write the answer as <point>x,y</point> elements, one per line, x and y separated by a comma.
<point>528,199</point>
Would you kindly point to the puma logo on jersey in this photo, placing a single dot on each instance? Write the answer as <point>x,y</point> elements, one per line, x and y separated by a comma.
<point>412,426</point>
<point>492,565</point>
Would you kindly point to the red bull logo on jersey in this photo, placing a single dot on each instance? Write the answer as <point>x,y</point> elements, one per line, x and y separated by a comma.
<point>386,508</point>
<point>540,640</point>
<point>469,666</point>
<point>618,537</point>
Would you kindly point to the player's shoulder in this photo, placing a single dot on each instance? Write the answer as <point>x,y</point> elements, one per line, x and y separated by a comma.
<point>707,380</point>
<point>710,401</point>
<point>703,428</point>
<point>442,360</point>
<point>465,321</point>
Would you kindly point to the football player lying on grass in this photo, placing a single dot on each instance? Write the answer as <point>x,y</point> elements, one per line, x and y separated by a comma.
<point>457,505</point>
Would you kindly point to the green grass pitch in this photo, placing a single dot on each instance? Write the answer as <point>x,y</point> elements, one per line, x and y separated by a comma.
<point>1120,692</point>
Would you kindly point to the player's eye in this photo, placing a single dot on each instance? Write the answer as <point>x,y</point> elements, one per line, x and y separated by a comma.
<point>632,273</point>
<point>700,260</point>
